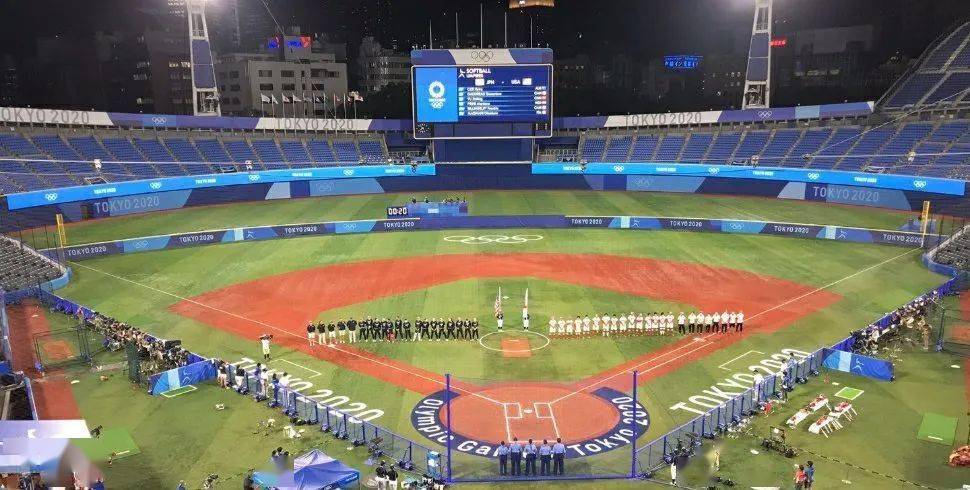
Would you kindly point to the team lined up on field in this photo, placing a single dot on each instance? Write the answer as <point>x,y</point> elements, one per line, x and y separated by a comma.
<point>387,330</point>
<point>650,324</point>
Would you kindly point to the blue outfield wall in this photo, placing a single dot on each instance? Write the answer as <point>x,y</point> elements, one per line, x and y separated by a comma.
<point>180,240</point>
<point>33,209</point>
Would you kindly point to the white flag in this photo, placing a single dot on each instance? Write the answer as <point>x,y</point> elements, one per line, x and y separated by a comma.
<point>273,98</point>
<point>263,99</point>
<point>355,96</point>
<point>296,99</point>
<point>286,100</point>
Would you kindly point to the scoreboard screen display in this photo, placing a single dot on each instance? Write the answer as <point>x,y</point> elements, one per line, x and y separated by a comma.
<point>480,101</point>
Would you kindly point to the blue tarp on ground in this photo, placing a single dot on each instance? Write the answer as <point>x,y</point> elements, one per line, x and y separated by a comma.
<point>183,376</point>
<point>858,364</point>
<point>313,470</point>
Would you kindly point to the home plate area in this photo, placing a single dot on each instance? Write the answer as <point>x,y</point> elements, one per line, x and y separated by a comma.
<point>588,422</point>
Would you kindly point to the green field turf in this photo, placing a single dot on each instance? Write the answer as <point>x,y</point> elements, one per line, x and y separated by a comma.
<point>311,210</point>
<point>848,393</point>
<point>114,443</point>
<point>140,288</point>
<point>937,428</point>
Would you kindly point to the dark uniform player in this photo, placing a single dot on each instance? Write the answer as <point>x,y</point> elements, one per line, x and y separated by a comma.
<point>387,334</point>
<point>332,331</point>
<point>474,328</point>
<point>450,330</point>
<point>351,330</point>
<point>398,329</point>
<point>322,333</point>
<point>407,330</point>
<point>425,329</point>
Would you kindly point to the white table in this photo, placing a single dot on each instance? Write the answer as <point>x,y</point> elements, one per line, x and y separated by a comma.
<point>796,419</point>
<point>818,404</point>
<point>825,426</point>
<point>847,410</point>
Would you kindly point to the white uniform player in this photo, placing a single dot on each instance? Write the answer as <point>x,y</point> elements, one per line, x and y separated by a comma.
<point>681,323</point>
<point>740,324</point>
<point>596,325</point>
<point>552,326</point>
<point>708,322</point>
<point>569,327</point>
<point>691,321</point>
<point>586,323</point>
<point>606,325</point>
<point>561,324</point>
<point>733,320</point>
<point>639,324</point>
<point>622,324</point>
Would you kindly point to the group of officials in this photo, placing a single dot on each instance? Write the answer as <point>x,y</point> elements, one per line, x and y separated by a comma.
<point>656,323</point>
<point>387,330</point>
<point>516,452</point>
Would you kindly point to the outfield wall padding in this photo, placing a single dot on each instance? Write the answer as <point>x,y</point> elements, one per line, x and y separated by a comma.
<point>643,223</point>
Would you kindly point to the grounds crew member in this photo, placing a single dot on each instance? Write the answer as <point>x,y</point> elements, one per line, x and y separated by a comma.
<point>558,455</point>
<point>503,459</point>
<point>516,452</point>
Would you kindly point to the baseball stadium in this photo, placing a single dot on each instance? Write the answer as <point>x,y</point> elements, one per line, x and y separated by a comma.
<point>487,293</point>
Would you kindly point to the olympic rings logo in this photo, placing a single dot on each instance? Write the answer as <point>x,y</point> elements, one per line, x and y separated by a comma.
<point>484,239</point>
<point>482,56</point>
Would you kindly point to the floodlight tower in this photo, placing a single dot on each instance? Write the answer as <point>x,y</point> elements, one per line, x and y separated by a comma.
<point>205,95</point>
<point>757,83</point>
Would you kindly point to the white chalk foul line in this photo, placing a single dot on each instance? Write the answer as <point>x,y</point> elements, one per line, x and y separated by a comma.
<point>315,373</point>
<point>705,344</point>
<point>739,357</point>
<point>281,330</point>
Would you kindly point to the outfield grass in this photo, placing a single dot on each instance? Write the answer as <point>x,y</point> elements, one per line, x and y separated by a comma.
<point>140,288</point>
<point>310,210</point>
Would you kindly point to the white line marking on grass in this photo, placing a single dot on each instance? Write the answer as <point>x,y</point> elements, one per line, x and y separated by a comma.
<point>179,391</point>
<point>739,357</point>
<point>281,330</point>
<point>315,373</point>
<point>934,438</point>
<point>801,296</point>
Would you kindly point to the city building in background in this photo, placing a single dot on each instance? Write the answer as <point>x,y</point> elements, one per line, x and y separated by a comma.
<point>302,84</point>
<point>378,67</point>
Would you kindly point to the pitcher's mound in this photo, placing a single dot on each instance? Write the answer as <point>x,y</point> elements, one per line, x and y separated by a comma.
<point>516,347</point>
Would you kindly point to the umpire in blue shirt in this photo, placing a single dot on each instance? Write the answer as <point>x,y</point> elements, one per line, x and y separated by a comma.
<point>558,455</point>
<point>516,452</point>
<point>545,457</point>
<point>503,459</point>
<point>530,458</point>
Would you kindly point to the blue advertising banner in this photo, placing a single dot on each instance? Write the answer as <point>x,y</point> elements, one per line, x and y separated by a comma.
<point>858,364</point>
<point>182,376</point>
<point>88,192</point>
<point>859,179</point>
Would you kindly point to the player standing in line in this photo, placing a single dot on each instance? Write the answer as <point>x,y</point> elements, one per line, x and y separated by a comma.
<point>596,325</point>
<point>691,318</point>
<point>561,326</point>
<point>552,326</point>
<point>681,323</point>
<point>352,331</point>
<point>717,321</point>
<point>311,334</point>
<point>670,322</point>
<point>475,329</point>
<point>708,323</point>
<point>586,323</point>
<point>739,326</point>
<point>725,321</point>
<point>622,324</point>
<point>614,324</point>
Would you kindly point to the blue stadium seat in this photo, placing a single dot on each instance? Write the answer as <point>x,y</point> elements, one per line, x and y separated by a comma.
<point>723,147</point>
<point>752,144</point>
<point>155,152</point>
<point>644,148</point>
<point>944,51</point>
<point>810,142</point>
<point>591,148</point>
<point>696,147</point>
<point>914,89</point>
<point>670,148</point>
<point>901,144</point>
<point>269,153</point>
<point>185,152</point>
<point>946,93</point>
<point>124,150</point>
<point>868,144</point>
<point>346,151</point>
<point>840,144</point>
<point>950,132</point>
<point>54,146</point>
<point>296,154</point>
<point>372,151</point>
<point>779,146</point>
<point>322,153</point>
<point>618,148</point>
<point>92,149</point>
<point>240,152</point>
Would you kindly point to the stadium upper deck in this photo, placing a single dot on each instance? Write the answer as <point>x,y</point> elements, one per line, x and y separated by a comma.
<point>920,127</point>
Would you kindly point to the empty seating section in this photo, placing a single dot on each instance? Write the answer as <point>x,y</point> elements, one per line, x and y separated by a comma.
<point>122,149</point>
<point>321,152</point>
<point>240,152</point>
<point>842,141</point>
<point>372,151</point>
<point>296,154</point>
<point>697,145</point>
<point>901,143</point>
<point>939,56</point>
<point>269,153</point>
<point>952,89</point>
<point>949,132</point>
<point>810,142</point>
<point>644,148</point>
<point>914,89</point>
<point>670,147</point>
<point>91,149</point>
<point>779,146</point>
<point>155,152</point>
<point>346,151</point>
<point>618,148</point>
<point>57,149</point>
<point>753,143</point>
<point>723,147</point>
<point>49,174</point>
<point>21,268</point>
<point>185,152</point>
<point>212,150</point>
<point>592,148</point>
<point>867,145</point>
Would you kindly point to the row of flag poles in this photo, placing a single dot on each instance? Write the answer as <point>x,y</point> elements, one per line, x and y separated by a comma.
<point>498,302</point>
<point>310,102</point>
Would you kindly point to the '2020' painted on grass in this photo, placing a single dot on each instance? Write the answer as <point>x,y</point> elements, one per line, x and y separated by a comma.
<point>338,404</point>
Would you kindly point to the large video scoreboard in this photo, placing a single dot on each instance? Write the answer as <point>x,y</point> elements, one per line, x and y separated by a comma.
<point>474,93</point>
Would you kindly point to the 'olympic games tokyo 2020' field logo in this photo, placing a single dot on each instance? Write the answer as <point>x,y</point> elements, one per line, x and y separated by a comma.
<point>485,239</point>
